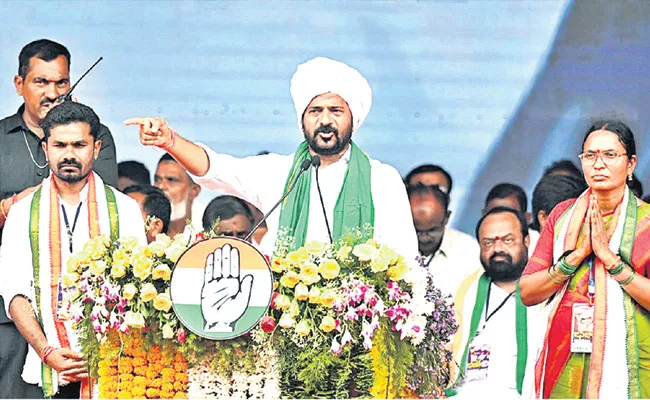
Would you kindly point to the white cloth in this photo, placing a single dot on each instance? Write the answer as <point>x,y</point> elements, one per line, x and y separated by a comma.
<point>322,75</point>
<point>456,259</point>
<point>500,333</point>
<point>534,237</point>
<point>16,255</point>
<point>197,210</point>
<point>260,180</point>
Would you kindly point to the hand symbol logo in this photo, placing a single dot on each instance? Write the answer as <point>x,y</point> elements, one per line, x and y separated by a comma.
<point>224,298</point>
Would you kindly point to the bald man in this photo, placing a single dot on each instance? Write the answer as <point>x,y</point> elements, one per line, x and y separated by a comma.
<point>450,255</point>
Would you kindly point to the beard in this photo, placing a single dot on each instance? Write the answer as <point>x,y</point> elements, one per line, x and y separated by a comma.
<point>506,269</point>
<point>336,144</point>
<point>71,176</point>
<point>178,210</point>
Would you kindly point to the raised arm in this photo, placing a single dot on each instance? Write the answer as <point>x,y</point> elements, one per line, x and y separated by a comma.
<point>155,132</point>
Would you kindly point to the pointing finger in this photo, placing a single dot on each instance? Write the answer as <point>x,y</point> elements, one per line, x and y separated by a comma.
<point>136,121</point>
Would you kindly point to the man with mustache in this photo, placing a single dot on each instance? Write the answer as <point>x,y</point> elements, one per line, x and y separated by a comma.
<point>43,230</point>
<point>490,346</point>
<point>331,100</point>
<point>43,75</point>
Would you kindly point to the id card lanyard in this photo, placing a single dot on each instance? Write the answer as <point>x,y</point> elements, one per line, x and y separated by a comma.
<point>591,287</point>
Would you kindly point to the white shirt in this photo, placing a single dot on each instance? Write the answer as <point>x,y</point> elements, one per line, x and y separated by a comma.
<point>534,237</point>
<point>261,180</point>
<point>16,266</point>
<point>499,334</point>
<point>457,258</point>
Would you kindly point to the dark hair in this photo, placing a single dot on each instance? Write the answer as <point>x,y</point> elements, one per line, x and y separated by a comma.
<point>225,207</point>
<point>43,49</point>
<point>434,190</point>
<point>504,190</point>
<point>498,210</point>
<point>563,165</point>
<point>625,135</point>
<point>429,168</point>
<point>67,113</point>
<point>552,190</point>
<point>636,186</point>
<point>167,157</point>
<point>155,204</point>
<point>134,170</point>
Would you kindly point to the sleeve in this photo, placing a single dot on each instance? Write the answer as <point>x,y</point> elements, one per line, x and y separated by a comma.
<point>16,270</point>
<point>543,255</point>
<point>393,218</point>
<point>245,177</point>
<point>106,163</point>
<point>641,249</point>
<point>131,222</point>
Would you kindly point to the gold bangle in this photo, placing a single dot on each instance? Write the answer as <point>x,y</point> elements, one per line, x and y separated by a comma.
<point>2,209</point>
<point>548,271</point>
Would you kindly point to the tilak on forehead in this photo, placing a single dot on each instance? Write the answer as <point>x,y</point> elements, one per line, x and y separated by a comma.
<point>322,75</point>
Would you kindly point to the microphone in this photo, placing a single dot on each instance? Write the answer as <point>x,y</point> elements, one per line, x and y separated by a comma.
<point>315,161</point>
<point>67,96</point>
<point>303,167</point>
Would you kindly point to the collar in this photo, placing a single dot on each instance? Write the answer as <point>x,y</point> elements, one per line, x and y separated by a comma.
<point>16,121</point>
<point>83,195</point>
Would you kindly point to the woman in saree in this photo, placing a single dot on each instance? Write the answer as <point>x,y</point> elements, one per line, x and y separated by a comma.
<point>590,268</point>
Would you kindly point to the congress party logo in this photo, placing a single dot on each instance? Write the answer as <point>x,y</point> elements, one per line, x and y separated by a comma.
<point>221,288</point>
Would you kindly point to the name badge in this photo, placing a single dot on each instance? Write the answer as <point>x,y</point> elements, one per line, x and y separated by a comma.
<point>63,302</point>
<point>582,328</point>
<point>478,361</point>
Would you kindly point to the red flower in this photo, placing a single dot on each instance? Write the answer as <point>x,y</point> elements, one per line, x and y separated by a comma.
<point>199,237</point>
<point>268,323</point>
<point>275,294</point>
<point>181,335</point>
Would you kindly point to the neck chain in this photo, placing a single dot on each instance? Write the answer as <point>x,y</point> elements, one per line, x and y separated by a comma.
<point>30,152</point>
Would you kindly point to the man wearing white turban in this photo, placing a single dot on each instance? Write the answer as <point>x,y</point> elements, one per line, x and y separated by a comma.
<point>332,100</point>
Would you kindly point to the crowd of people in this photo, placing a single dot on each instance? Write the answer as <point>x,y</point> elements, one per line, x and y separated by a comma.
<point>551,301</point>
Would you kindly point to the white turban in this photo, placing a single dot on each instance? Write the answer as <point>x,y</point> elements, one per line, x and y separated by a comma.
<point>322,75</point>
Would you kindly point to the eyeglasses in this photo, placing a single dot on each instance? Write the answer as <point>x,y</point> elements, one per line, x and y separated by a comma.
<point>608,157</point>
<point>433,232</point>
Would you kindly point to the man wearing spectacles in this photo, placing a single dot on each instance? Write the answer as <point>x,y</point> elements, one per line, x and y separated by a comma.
<point>449,255</point>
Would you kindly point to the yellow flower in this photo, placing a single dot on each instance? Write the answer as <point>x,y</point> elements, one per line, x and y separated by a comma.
<point>309,273</point>
<point>297,257</point>
<point>314,295</point>
<point>379,263</point>
<point>174,252</point>
<point>303,328</point>
<point>389,253</point>
<point>294,309</point>
<point>148,292</point>
<point>364,252</point>
<point>329,269</point>
<point>128,291</point>
<point>372,242</point>
<point>118,269</point>
<point>157,248</point>
<point>278,265</point>
<point>289,279</point>
<point>398,271</point>
<point>302,292</point>
<point>286,321</point>
<point>163,272</point>
<point>133,319</point>
<point>128,243</point>
<point>327,324</point>
<point>315,247</point>
<point>95,248</point>
<point>327,297</point>
<point>141,266</point>
<point>162,302</point>
<point>70,280</point>
<point>343,253</point>
<point>97,267</point>
<point>72,265</point>
<point>282,302</point>
<point>163,239</point>
<point>167,331</point>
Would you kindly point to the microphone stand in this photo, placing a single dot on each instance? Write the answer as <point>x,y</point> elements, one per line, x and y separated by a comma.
<point>303,167</point>
<point>315,161</point>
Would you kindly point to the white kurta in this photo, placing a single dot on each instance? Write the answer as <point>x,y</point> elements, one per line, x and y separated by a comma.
<point>261,180</point>
<point>456,259</point>
<point>16,266</point>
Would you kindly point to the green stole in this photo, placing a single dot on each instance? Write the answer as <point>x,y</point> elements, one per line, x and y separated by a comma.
<point>34,218</point>
<point>354,207</point>
<point>521,331</point>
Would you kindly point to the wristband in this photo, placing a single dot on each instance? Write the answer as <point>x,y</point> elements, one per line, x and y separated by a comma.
<point>46,351</point>
<point>550,275</point>
<point>629,279</point>
<point>618,268</point>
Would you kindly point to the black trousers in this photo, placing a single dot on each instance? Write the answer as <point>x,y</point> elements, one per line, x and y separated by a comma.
<point>13,350</point>
<point>69,391</point>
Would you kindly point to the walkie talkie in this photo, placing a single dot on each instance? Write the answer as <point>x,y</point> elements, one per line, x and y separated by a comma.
<point>67,96</point>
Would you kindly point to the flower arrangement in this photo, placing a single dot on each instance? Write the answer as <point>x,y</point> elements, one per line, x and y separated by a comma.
<point>350,319</point>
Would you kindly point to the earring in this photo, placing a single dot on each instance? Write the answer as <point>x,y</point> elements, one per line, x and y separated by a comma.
<point>629,177</point>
